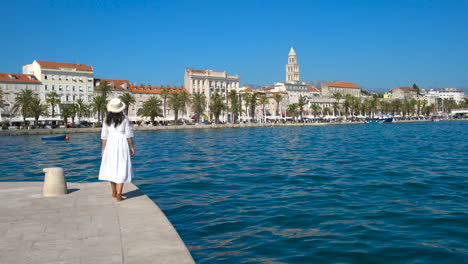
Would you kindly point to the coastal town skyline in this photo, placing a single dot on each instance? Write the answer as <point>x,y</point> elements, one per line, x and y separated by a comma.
<point>381,48</point>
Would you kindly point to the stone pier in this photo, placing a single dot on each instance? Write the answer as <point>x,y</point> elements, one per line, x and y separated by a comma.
<point>86,225</point>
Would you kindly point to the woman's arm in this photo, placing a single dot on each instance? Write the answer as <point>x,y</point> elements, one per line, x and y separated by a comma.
<point>104,142</point>
<point>132,148</point>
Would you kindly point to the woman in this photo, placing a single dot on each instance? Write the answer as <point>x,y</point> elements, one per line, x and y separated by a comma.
<point>117,147</point>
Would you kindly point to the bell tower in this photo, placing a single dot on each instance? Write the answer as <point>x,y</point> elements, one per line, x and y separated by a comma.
<point>292,68</point>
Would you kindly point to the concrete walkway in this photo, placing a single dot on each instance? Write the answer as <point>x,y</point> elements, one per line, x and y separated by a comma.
<point>85,226</point>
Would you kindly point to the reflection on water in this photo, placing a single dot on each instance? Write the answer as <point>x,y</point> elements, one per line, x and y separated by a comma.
<point>334,194</point>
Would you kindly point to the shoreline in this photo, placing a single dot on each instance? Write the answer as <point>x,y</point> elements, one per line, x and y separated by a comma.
<point>61,131</point>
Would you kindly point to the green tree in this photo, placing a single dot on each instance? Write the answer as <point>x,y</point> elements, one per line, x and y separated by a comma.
<point>247,100</point>
<point>278,98</point>
<point>300,104</point>
<point>128,99</point>
<point>335,105</point>
<point>37,109</point>
<point>235,106</point>
<point>23,103</point>
<point>104,89</point>
<point>165,92</point>
<point>253,104</point>
<point>216,106</point>
<point>198,104</point>
<point>68,111</point>
<point>293,110</point>
<point>99,105</point>
<point>177,103</point>
<point>315,108</point>
<point>53,99</point>
<point>80,108</point>
<point>338,97</point>
<point>264,101</point>
<point>151,108</point>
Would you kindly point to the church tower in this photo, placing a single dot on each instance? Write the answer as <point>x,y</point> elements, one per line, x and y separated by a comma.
<point>292,68</point>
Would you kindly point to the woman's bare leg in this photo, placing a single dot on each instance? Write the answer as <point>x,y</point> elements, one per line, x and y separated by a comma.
<point>119,191</point>
<point>114,190</point>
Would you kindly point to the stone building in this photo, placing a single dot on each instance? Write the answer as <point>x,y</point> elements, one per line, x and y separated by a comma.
<point>10,85</point>
<point>70,81</point>
<point>402,93</point>
<point>210,82</point>
<point>344,88</point>
<point>144,92</point>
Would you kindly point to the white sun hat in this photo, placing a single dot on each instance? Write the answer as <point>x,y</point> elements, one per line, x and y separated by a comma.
<point>115,105</point>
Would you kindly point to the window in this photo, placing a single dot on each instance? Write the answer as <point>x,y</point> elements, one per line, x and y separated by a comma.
<point>81,79</point>
<point>81,88</point>
<point>74,88</point>
<point>60,87</point>
<point>66,98</point>
<point>90,89</point>
<point>45,87</point>
<point>45,77</point>
<point>66,78</point>
<point>53,77</point>
<point>68,88</point>
<point>74,98</point>
<point>60,77</point>
<point>74,78</point>
<point>90,79</point>
<point>53,87</point>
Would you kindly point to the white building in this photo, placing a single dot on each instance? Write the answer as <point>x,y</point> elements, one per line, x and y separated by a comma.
<point>69,81</point>
<point>210,82</point>
<point>452,93</point>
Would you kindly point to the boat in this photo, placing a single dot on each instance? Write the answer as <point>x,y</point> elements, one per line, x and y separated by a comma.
<point>379,120</point>
<point>61,137</point>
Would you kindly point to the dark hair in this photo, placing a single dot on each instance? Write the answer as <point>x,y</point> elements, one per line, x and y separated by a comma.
<point>115,118</point>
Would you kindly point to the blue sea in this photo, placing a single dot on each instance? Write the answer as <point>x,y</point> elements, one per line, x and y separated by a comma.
<point>383,193</point>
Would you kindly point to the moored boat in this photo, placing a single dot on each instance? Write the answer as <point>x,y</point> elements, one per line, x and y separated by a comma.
<point>379,120</point>
<point>61,137</point>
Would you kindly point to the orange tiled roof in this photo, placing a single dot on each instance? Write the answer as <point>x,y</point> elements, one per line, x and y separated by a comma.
<point>342,85</point>
<point>155,89</point>
<point>18,77</point>
<point>248,89</point>
<point>406,88</point>
<point>58,65</point>
<point>312,88</point>
<point>117,83</point>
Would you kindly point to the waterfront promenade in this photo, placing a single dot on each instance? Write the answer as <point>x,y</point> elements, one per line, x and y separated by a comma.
<point>85,226</point>
<point>61,131</point>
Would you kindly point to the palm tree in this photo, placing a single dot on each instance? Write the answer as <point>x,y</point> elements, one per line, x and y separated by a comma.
<point>177,103</point>
<point>80,108</point>
<point>338,97</point>
<point>53,99</point>
<point>300,104</point>
<point>164,95</point>
<point>292,110</point>
<point>185,100</point>
<point>253,104</point>
<point>198,104</point>
<point>23,103</point>
<point>128,99</point>
<point>235,105</point>
<point>68,111</point>
<point>396,106</point>
<point>278,98</point>
<point>247,99</point>
<point>99,105</point>
<point>264,101</point>
<point>37,109</point>
<point>104,89</point>
<point>315,108</point>
<point>335,107</point>
<point>151,108</point>
<point>216,106</point>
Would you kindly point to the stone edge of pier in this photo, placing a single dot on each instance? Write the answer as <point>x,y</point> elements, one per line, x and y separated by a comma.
<point>85,226</point>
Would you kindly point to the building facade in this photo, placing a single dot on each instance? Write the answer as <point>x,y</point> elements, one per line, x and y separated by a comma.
<point>210,82</point>
<point>292,68</point>
<point>402,93</point>
<point>344,88</point>
<point>69,81</point>
<point>10,85</point>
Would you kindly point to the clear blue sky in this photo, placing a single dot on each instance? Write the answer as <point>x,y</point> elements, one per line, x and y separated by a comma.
<point>377,44</point>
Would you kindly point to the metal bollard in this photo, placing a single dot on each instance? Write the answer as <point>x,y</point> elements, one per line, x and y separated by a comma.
<point>54,182</point>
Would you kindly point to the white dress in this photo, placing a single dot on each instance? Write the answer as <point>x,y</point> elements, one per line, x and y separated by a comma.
<point>116,164</point>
